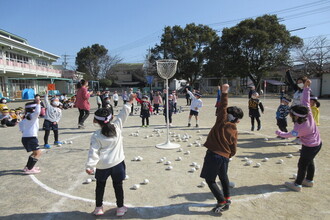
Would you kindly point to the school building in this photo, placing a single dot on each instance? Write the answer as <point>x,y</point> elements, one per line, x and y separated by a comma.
<point>23,66</point>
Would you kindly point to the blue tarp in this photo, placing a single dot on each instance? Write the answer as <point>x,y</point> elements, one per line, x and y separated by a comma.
<point>28,94</point>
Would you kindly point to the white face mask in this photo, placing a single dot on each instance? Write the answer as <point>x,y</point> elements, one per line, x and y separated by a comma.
<point>300,85</point>
<point>4,101</point>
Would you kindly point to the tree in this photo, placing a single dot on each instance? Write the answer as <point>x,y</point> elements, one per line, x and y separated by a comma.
<point>186,45</point>
<point>105,83</point>
<point>95,61</point>
<point>314,55</point>
<point>254,47</point>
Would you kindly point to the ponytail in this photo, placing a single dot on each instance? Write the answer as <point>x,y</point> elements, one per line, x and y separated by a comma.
<point>81,83</point>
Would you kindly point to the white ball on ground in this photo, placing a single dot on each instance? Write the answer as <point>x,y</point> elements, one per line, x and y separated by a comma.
<point>64,142</point>
<point>245,159</point>
<point>198,167</point>
<point>193,169</point>
<point>89,180</point>
<point>169,168</point>
<point>136,186</point>
<point>189,145</point>
<point>161,160</point>
<point>145,181</point>
<point>294,176</point>
<point>168,163</point>
<point>59,145</point>
<point>70,142</point>
<point>126,177</point>
<point>193,164</point>
<point>289,156</point>
<point>202,184</point>
<point>135,159</point>
<point>179,159</point>
<point>258,164</point>
<point>230,159</point>
<point>266,139</point>
<point>280,161</point>
<point>187,152</point>
<point>265,159</point>
<point>198,131</point>
<point>248,163</point>
<point>286,144</point>
<point>180,150</point>
<point>232,184</point>
<point>139,158</point>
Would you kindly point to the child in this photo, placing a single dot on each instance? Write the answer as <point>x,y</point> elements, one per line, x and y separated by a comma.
<point>170,109</point>
<point>98,99</point>
<point>196,105</point>
<point>115,98</point>
<point>146,109</point>
<point>29,126</point>
<point>157,100</point>
<point>221,145</point>
<point>175,101</point>
<point>52,117</point>
<point>4,117</point>
<point>315,105</point>
<point>3,104</point>
<point>106,153</point>
<point>305,128</point>
<point>124,97</point>
<point>106,104</point>
<point>254,104</point>
<point>281,114</point>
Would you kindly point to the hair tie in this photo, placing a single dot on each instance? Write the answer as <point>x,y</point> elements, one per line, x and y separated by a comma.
<point>104,119</point>
<point>297,114</point>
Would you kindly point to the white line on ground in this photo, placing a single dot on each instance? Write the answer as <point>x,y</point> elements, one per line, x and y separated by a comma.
<point>51,190</point>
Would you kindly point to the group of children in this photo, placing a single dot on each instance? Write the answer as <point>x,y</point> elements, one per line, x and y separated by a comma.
<point>9,117</point>
<point>106,153</point>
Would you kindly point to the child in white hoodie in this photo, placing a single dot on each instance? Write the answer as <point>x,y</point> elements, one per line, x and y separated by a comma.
<point>106,154</point>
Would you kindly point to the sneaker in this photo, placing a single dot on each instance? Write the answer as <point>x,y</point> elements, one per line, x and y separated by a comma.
<point>98,211</point>
<point>259,128</point>
<point>308,183</point>
<point>47,146</point>
<point>121,211</point>
<point>197,125</point>
<point>293,186</point>
<point>252,128</point>
<point>142,126</point>
<point>189,124</point>
<point>220,208</point>
<point>58,142</point>
<point>26,169</point>
<point>34,170</point>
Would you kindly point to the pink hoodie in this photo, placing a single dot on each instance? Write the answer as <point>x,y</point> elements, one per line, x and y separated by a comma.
<point>82,99</point>
<point>308,132</point>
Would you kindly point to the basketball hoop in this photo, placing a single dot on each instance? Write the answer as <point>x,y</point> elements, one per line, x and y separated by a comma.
<point>166,70</point>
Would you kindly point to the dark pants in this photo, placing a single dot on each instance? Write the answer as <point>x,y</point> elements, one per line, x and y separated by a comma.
<point>146,119</point>
<point>282,124</point>
<point>99,106</point>
<point>132,109</point>
<point>216,165</point>
<point>306,163</point>
<point>9,123</point>
<point>116,103</point>
<point>188,99</point>
<point>175,108</point>
<point>117,174</point>
<point>83,115</point>
<point>156,108</point>
<point>258,121</point>
<point>47,132</point>
<point>169,118</point>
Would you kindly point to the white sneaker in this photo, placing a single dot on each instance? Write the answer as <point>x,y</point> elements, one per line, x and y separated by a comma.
<point>308,183</point>
<point>98,211</point>
<point>293,186</point>
<point>121,211</point>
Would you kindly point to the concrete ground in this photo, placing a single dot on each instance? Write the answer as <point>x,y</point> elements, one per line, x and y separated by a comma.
<point>59,192</point>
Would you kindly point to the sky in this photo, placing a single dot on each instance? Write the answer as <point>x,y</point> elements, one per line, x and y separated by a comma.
<point>128,28</point>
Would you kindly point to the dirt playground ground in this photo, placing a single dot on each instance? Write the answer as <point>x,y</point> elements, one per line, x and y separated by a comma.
<point>59,192</point>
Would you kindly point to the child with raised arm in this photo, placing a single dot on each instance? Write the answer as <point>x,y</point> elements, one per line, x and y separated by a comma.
<point>196,105</point>
<point>29,127</point>
<point>306,129</point>
<point>221,145</point>
<point>106,154</point>
<point>52,117</point>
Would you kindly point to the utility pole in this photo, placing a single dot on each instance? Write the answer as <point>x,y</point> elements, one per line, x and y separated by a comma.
<point>65,63</point>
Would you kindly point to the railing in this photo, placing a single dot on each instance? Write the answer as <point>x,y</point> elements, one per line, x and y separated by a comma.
<point>26,68</point>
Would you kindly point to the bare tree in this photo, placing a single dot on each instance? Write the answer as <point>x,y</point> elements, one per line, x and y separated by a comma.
<point>314,55</point>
